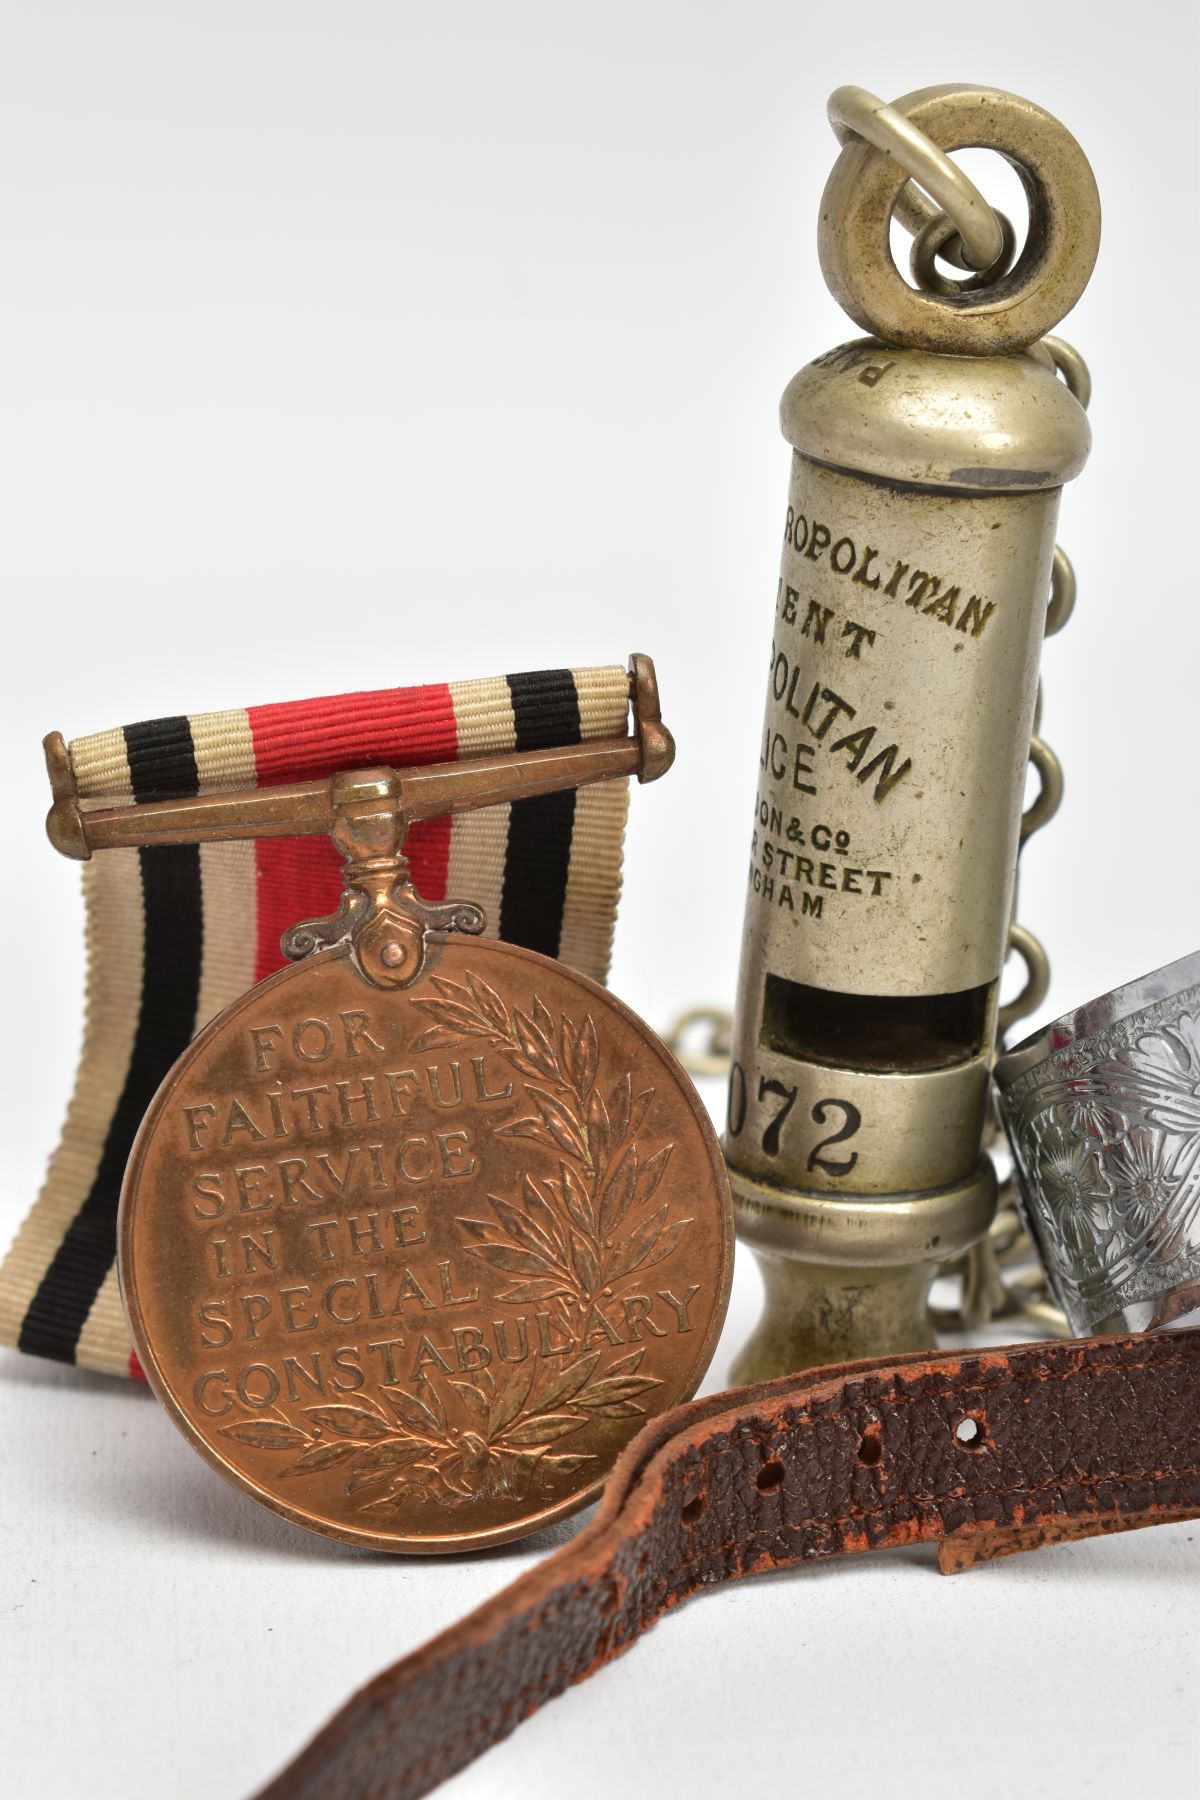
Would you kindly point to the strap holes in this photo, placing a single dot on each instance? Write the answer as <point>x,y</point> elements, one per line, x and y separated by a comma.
<point>870,1451</point>
<point>968,1433</point>
<point>769,1477</point>
<point>693,1510</point>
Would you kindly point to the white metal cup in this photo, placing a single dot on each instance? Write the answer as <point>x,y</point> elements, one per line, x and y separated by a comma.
<point>1102,1110</point>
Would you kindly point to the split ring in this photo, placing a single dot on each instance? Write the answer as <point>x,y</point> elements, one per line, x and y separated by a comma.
<point>855,113</point>
<point>1048,277</point>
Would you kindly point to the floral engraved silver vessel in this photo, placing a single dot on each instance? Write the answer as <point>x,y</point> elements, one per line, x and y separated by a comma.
<point>1103,1114</point>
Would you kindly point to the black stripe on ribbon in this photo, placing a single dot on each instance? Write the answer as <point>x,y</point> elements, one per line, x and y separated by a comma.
<point>162,764</point>
<point>538,859</point>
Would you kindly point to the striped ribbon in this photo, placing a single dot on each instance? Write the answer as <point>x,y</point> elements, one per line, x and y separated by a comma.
<point>176,932</point>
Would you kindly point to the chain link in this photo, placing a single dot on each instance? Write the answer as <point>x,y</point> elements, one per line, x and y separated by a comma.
<point>937,237</point>
<point>1002,1278</point>
<point>702,1040</point>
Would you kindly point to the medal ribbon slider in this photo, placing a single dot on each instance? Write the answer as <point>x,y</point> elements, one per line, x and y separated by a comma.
<point>368,814</point>
<point>304,808</point>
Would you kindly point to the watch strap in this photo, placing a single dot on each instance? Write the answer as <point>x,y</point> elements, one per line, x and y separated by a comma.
<point>984,1454</point>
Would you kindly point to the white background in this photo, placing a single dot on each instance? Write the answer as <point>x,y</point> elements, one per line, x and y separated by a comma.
<point>352,345</point>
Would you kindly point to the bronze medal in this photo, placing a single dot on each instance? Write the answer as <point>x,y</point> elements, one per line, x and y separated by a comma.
<point>412,1268</point>
<point>422,1230</point>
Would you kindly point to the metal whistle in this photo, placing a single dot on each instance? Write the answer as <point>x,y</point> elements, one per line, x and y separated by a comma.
<point>918,559</point>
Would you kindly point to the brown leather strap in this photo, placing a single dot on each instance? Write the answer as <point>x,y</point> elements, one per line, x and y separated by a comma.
<point>986,1453</point>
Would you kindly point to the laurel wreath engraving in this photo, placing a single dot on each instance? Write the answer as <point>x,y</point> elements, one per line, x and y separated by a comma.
<point>581,1237</point>
<point>580,1234</point>
<point>460,1439</point>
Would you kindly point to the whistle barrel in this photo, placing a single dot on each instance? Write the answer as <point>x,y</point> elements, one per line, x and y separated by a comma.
<point>903,679</point>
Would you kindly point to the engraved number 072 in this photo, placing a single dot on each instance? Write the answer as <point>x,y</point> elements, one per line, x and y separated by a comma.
<point>823,1113</point>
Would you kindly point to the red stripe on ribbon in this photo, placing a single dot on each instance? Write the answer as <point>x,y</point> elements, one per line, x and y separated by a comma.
<point>300,878</point>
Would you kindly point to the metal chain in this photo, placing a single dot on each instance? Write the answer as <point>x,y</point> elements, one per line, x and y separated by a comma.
<point>702,1052</point>
<point>1002,1278</point>
<point>702,1039</point>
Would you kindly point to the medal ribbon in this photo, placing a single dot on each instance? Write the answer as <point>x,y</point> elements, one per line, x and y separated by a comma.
<point>175,933</point>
